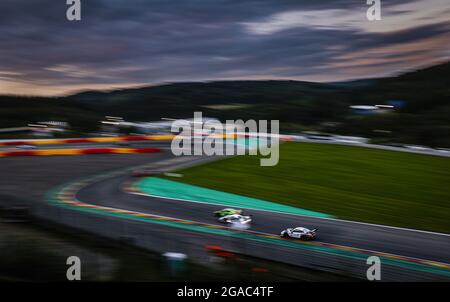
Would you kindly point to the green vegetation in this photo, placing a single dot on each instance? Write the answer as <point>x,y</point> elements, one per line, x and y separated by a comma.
<point>353,183</point>
<point>20,111</point>
<point>423,118</point>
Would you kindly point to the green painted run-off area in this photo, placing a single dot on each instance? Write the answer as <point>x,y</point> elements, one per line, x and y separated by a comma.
<point>177,190</point>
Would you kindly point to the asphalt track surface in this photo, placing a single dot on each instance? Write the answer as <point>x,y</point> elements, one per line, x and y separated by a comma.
<point>410,243</point>
<point>26,180</point>
<point>38,174</point>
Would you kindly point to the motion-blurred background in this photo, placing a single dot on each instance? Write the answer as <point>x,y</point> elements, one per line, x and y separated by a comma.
<point>364,106</point>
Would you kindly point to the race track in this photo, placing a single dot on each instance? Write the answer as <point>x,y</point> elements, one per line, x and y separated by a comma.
<point>110,191</point>
<point>409,243</point>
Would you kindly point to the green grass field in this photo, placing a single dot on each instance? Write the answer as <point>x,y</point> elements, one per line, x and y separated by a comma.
<point>354,183</point>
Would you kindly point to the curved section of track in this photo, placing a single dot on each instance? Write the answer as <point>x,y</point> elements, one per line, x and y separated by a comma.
<point>434,247</point>
<point>416,250</point>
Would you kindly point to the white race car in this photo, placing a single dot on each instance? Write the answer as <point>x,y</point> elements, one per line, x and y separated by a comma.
<point>299,233</point>
<point>236,218</point>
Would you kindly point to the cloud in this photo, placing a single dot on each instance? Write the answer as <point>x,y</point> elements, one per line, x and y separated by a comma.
<point>396,17</point>
<point>152,41</point>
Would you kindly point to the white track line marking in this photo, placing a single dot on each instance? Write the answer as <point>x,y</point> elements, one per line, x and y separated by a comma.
<point>286,213</point>
<point>319,242</point>
<point>258,233</point>
<point>78,186</point>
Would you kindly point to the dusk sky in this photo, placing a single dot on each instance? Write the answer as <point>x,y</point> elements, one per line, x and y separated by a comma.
<point>124,43</point>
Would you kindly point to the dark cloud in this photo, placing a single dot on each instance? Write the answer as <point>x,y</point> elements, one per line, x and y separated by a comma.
<point>142,41</point>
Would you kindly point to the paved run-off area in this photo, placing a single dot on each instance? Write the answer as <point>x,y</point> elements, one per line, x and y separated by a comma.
<point>354,183</point>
